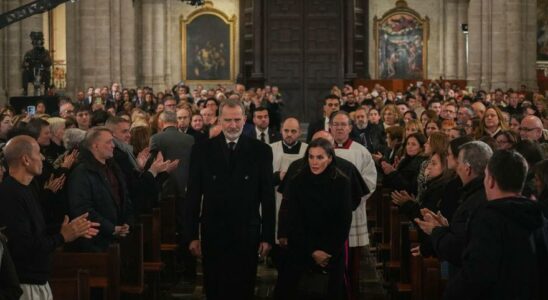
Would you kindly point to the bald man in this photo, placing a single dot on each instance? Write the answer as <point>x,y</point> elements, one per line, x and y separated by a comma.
<point>531,128</point>
<point>479,109</point>
<point>30,245</point>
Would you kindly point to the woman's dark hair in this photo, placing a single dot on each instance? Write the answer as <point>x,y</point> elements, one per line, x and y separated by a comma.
<point>326,146</point>
<point>531,151</point>
<point>511,136</point>
<point>412,113</point>
<point>541,171</point>
<point>419,137</point>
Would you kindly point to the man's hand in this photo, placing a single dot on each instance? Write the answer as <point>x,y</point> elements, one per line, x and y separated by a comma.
<point>159,165</point>
<point>264,248</point>
<point>122,230</point>
<point>430,221</point>
<point>55,184</point>
<point>376,156</point>
<point>282,242</point>
<point>172,166</point>
<point>195,248</point>
<point>321,258</point>
<point>78,227</point>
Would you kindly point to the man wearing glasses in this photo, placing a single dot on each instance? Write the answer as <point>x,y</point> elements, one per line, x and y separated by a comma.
<point>531,128</point>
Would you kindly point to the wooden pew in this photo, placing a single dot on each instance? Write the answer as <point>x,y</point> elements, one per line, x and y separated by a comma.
<point>131,261</point>
<point>169,243</point>
<point>71,288</point>
<point>153,264</point>
<point>103,268</point>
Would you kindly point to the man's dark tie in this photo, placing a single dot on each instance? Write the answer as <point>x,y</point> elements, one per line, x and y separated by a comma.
<point>231,146</point>
<point>262,137</point>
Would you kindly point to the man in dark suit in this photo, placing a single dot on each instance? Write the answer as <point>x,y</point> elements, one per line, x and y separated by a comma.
<point>331,104</point>
<point>233,175</point>
<point>184,114</point>
<point>261,130</point>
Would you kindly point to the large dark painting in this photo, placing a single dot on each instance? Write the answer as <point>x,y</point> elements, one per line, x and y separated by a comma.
<point>401,37</point>
<point>542,30</point>
<point>208,46</point>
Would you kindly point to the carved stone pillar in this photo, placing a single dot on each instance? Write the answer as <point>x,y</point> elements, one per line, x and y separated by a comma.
<point>461,39</point>
<point>14,56</point>
<point>159,46</point>
<point>147,39</point>
<point>496,33</point>
<point>451,35</point>
<point>475,43</point>
<point>128,55</point>
<point>87,42</point>
<point>115,44</point>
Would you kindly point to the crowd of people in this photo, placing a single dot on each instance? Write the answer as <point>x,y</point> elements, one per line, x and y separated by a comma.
<point>248,187</point>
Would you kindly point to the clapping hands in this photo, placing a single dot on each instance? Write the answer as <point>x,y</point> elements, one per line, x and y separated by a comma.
<point>401,197</point>
<point>431,221</point>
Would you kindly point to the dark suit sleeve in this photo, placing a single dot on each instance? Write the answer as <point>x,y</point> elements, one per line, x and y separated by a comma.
<point>8,276</point>
<point>448,243</point>
<point>268,202</point>
<point>191,205</point>
<point>481,259</point>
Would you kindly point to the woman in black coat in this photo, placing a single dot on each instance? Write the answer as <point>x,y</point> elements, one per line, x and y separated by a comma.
<point>404,175</point>
<point>319,217</point>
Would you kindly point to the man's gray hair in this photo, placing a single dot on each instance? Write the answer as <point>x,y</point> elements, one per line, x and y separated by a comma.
<point>476,154</point>
<point>93,134</point>
<point>72,137</point>
<point>168,116</point>
<point>231,103</point>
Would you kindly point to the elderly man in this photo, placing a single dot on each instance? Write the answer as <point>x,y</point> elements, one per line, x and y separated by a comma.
<point>449,239</point>
<point>97,185</point>
<point>357,154</point>
<point>230,206</point>
<point>31,244</point>
<point>531,128</point>
<point>368,135</point>
<point>66,110</point>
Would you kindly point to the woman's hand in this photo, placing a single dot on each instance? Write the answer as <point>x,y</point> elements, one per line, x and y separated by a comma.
<point>401,197</point>
<point>387,168</point>
<point>321,258</point>
<point>376,156</point>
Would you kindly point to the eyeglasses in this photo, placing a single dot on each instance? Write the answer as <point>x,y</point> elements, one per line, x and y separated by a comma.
<point>527,129</point>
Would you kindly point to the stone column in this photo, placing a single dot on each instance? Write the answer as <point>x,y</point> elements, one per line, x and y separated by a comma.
<point>475,41</point>
<point>462,18</point>
<point>451,35</point>
<point>496,28</point>
<point>159,46</point>
<point>87,42</point>
<point>115,31</point>
<point>128,48</point>
<point>3,96</point>
<point>529,53</point>
<point>73,48</point>
<point>102,31</point>
<point>14,56</point>
<point>147,42</point>
<point>486,41</point>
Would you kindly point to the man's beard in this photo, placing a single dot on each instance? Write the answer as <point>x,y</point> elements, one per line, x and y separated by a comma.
<point>233,135</point>
<point>361,125</point>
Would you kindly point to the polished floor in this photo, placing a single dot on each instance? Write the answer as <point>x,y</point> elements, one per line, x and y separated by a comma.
<point>371,283</point>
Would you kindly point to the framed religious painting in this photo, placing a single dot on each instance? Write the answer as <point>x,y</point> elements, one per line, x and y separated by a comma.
<point>208,46</point>
<point>401,44</point>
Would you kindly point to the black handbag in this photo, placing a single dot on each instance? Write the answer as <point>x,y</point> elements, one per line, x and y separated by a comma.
<point>314,283</point>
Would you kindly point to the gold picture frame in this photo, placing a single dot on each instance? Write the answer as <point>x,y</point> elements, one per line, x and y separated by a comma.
<point>401,44</point>
<point>205,34</point>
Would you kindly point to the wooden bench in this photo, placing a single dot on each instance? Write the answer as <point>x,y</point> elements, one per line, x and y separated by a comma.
<point>169,245</point>
<point>71,288</point>
<point>103,268</point>
<point>132,262</point>
<point>153,264</point>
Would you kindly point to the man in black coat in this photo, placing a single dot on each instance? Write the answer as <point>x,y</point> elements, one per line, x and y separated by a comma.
<point>331,104</point>
<point>233,175</point>
<point>500,261</point>
<point>371,136</point>
<point>262,130</point>
<point>97,185</point>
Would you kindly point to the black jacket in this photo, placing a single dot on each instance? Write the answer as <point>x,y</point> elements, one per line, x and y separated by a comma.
<point>405,177</point>
<point>499,261</point>
<point>89,191</point>
<point>30,245</point>
<point>430,198</point>
<point>314,127</point>
<point>370,137</point>
<point>230,196</point>
<point>9,283</point>
<point>448,242</point>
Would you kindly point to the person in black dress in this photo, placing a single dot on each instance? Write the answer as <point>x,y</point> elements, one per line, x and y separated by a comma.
<point>319,217</point>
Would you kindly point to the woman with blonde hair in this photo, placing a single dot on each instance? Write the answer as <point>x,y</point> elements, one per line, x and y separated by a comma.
<point>390,116</point>
<point>413,126</point>
<point>140,138</point>
<point>491,123</point>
